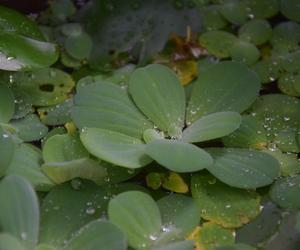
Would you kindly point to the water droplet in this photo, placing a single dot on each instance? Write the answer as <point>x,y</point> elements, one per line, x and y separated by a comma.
<point>90,210</point>
<point>10,58</point>
<point>76,184</point>
<point>23,236</point>
<point>152,237</point>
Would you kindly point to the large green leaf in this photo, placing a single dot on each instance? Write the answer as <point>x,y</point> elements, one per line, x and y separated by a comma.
<point>224,205</point>
<point>8,242</point>
<point>85,168</point>
<point>7,147</point>
<point>23,53</point>
<point>179,211</point>
<point>212,126</point>
<point>19,214</point>
<point>142,27</point>
<point>219,89</point>
<point>98,235</point>
<point>107,106</point>
<point>26,162</point>
<point>262,8</point>
<point>138,216</point>
<point>285,192</point>
<point>116,148</point>
<point>157,91</point>
<point>66,147</point>
<point>178,156</point>
<point>243,168</point>
<point>7,105</point>
<point>14,22</point>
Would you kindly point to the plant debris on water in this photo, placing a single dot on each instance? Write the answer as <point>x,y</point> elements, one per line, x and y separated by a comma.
<point>156,125</point>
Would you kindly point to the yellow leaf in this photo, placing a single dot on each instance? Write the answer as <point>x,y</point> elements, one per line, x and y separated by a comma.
<point>186,70</point>
<point>175,183</point>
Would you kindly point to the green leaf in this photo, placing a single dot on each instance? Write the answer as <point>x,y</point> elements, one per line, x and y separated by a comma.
<point>289,83</point>
<point>262,8</point>
<point>116,148</point>
<point>8,242</point>
<point>45,87</point>
<point>30,128</point>
<point>234,11</point>
<point>185,157</point>
<point>286,36</point>
<point>7,105</point>
<point>23,53</point>
<point>107,106</point>
<point>285,192</point>
<point>179,211</point>
<point>217,42</point>
<point>138,216</point>
<point>212,126</point>
<point>66,147</point>
<point>219,89</point>
<point>79,46</point>
<point>244,52</point>
<point>14,22</point>
<point>290,9</point>
<point>19,214</point>
<point>157,92</point>
<point>85,168</point>
<point>250,134</point>
<point>7,148</point>
<point>243,168</point>
<point>286,140</point>
<point>289,163</point>
<point>212,18</point>
<point>277,112</point>
<point>26,163</point>
<point>212,235</point>
<point>98,235</point>
<point>268,70</point>
<point>257,31</point>
<point>224,205</point>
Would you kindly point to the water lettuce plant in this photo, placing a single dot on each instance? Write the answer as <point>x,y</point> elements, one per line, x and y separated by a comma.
<point>150,125</point>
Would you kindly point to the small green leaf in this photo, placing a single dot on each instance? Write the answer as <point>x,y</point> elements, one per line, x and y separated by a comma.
<point>234,11</point>
<point>224,205</point>
<point>285,192</point>
<point>107,106</point>
<point>157,92</point>
<point>79,46</point>
<point>212,126</point>
<point>19,214</point>
<point>181,245</point>
<point>179,211</point>
<point>262,8</point>
<point>243,168</point>
<point>26,163</point>
<point>185,157</point>
<point>286,140</point>
<point>8,242</point>
<point>98,235</point>
<point>257,31</point>
<point>237,246</point>
<point>138,216</point>
<point>217,42</point>
<point>212,18</point>
<point>219,89</point>
<point>116,148</point>
<point>7,105</point>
